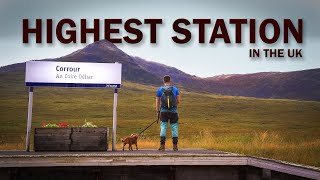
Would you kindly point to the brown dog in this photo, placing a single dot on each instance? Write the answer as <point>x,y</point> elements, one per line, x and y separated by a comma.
<point>130,140</point>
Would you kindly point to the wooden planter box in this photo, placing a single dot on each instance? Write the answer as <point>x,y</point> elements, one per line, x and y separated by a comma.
<point>71,139</point>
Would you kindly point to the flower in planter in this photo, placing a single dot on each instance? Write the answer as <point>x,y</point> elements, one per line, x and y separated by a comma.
<point>63,125</point>
<point>89,124</point>
<point>49,125</point>
<point>52,125</point>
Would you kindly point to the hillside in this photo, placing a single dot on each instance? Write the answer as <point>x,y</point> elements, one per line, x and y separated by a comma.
<point>289,85</point>
<point>301,85</point>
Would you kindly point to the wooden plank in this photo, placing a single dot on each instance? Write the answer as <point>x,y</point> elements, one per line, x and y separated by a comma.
<point>52,130</point>
<point>51,136</point>
<point>90,130</point>
<point>91,143</point>
<point>88,138</point>
<point>52,141</point>
<point>88,134</point>
<point>53,147</point>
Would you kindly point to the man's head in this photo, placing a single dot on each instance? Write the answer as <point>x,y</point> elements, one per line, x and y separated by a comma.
<point>166,79</point>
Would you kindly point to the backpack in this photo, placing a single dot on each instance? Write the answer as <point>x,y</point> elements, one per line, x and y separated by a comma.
<point>168,100</point>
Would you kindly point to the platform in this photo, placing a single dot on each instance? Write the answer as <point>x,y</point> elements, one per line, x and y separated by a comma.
<point>151,157</point>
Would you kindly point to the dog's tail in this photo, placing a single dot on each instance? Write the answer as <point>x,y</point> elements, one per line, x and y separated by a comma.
<point>122,140</point>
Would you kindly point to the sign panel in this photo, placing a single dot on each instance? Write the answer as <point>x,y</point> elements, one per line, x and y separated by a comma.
<point>73,74</point>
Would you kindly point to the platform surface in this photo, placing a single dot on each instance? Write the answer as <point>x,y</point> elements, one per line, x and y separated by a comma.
<point>120,153</point>
<point>150,157</point>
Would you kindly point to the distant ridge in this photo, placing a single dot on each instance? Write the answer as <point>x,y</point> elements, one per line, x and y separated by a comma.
<point>303,85</point>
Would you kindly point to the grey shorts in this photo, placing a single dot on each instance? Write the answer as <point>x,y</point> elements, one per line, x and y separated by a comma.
<point>169,116</point>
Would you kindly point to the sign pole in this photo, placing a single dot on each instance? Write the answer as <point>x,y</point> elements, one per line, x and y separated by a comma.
<point>29,118</point>
<point>114,122</point>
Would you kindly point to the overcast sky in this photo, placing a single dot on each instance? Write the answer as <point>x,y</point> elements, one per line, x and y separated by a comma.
<point>197,59</point>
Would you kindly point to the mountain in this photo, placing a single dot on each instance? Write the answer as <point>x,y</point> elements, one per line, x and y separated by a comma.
<point>101,52</point>
<point>181,78</point>
<point>302,85</point>
<point>292,85</point>
<point>105,52</point>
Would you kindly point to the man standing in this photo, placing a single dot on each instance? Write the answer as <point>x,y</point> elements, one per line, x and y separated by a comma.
<point>167,100</point>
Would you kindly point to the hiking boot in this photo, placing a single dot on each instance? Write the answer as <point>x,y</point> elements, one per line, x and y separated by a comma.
<point>175,147</point>
<point>162,147</point>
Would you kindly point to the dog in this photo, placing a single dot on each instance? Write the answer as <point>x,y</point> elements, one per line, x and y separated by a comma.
<point>130,140</point>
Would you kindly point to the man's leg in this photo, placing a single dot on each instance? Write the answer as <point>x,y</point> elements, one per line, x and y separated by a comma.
<point>175,128</point>
<point>163,133</point>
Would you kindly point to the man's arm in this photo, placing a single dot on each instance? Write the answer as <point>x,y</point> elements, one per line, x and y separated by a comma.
<point>157,104</point>
<point>178,99</point>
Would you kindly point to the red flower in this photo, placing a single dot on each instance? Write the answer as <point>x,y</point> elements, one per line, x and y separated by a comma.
<point>63,125</point>
<point>43,124</point>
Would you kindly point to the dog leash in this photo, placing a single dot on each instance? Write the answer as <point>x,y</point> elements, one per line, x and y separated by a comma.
<point>157,120</point>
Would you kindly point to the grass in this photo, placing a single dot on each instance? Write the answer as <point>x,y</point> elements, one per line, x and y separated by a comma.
<point>263,144</point>
<point>279,129</point>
